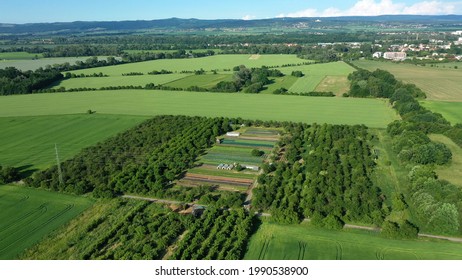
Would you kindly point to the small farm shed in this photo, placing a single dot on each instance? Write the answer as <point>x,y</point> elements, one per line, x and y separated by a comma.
<point>252,167</point>
<point>233,134</point>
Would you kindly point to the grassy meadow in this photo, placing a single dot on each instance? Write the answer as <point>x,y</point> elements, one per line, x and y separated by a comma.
<point>371,112</point>
<point>28,215</point>
<point>29,142</point>
<point>441,84</point>
<point>303,242</point>
<point>452,111</point>
<point>451,172</point>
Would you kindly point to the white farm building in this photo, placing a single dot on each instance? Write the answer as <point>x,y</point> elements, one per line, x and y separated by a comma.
<point>233,134</point>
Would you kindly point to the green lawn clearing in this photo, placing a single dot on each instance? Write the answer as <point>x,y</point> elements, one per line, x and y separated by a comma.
<point>451,172</point>
<point>452,111</point>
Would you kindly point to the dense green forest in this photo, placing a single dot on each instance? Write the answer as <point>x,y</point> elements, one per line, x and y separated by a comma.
<point>327,177</point>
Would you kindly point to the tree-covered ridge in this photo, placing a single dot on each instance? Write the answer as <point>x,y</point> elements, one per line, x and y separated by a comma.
<point>327,177</point>
<point>144,159</point>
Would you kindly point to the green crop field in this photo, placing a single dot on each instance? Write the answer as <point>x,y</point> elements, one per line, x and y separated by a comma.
<point>315,75</point>
<point>216,62</point>
<point>93,82</point>
<point>441,84</point>
<point>223,154</point>
<point>335,84</point>
<point>19,56</point>
<point>451,172</point>
<point>452,111</point>
<point>28,215</point>
<point>29,142</point>
<point>371,112</point>
<point>225,173</point>
<point>204,81</point>
<point>302,242</point>
<point>306,84</point>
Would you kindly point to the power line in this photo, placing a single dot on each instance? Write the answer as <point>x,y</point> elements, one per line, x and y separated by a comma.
<point>60,173</point>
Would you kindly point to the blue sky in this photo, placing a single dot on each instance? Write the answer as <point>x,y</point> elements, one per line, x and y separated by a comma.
<point>28,11</point>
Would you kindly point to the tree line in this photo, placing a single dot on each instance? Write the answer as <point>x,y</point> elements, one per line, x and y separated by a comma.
<point>435,203</point>
<point>14,81</point>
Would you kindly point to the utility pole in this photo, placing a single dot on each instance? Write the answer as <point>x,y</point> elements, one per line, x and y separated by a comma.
<point>60,173</point>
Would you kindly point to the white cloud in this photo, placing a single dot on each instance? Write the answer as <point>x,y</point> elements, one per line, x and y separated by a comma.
<point>382,7</point>
<point>248,17</point>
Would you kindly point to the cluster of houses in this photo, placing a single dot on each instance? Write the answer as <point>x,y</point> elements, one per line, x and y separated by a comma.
<point>396,56</point>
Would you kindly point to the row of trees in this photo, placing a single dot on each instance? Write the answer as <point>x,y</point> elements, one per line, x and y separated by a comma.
<point>284,91</point>
<point>145,159</point>
<point>327,177</point>
<point>435,203</point>
<point>218,235</point>
<point>145,232</point>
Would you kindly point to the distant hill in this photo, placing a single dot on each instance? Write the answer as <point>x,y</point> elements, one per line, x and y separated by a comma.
<point>172,24</point>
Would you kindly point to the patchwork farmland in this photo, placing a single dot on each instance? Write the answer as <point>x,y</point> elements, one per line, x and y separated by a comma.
<point>230,164</point>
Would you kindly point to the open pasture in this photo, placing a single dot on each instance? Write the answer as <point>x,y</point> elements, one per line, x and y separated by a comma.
<point>302,242</point>
<point>28,215</point>
<point>452,172</point>
<point>441,84</point>
<point>29,142</point>
<point>335,84</point>
<point>452,111</point>
<point>315,75</point>
<point>371,112</point>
